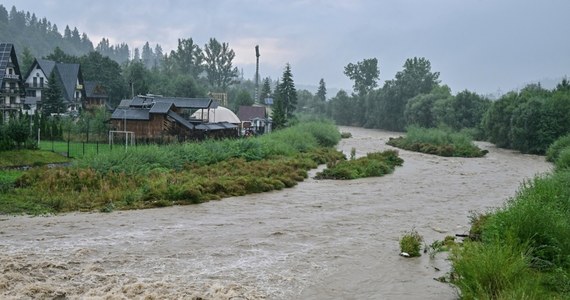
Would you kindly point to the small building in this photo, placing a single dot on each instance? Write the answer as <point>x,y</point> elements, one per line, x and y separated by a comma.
<point>153,118</point>
<point>11,85</point>
<point>254,119</point>
<point>95,96</point>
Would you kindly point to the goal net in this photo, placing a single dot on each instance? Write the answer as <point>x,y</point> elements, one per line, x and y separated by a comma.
<point>121,137</point>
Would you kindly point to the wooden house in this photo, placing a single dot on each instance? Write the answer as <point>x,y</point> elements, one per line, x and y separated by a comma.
<point>156,118</point>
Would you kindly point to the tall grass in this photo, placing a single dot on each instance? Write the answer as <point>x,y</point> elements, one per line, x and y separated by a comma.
<point>438,141</point>
<point>524,244</point>
<point>152,176</point>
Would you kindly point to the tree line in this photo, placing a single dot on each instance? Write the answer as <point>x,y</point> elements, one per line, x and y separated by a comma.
<point>528,120</point>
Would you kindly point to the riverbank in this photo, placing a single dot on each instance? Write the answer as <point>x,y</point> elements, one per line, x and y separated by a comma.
<point>321,239</point>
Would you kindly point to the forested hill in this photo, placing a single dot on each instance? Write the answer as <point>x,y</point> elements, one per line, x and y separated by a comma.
<point>37,37</point>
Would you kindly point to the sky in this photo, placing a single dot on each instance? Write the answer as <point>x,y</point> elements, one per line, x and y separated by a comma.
<point>485,46</point>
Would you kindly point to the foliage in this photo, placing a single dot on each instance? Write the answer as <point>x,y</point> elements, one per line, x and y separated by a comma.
<point>364,74</point>
<point>154,176</point>
<point>440,142</point>
<point>218,59</point>
<point>529,120</point>
<point>52,97</point>
<point>372,165</point>
<point>524,245</point>
<point>555,148</point>
<point>411,243</point>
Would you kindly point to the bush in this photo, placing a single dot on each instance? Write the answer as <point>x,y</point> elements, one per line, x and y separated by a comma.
<point>442,142</point>
<point>411,243</point>
<point>563,160</point>
<point>555,148</point>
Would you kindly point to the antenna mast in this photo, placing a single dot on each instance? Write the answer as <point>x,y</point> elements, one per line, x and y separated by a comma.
<point>256,96</point>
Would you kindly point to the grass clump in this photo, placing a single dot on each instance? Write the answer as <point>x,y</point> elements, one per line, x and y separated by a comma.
<point>523,248</point>
<point>438,142</point>
<point>372,165</point>
<point>411,243</point>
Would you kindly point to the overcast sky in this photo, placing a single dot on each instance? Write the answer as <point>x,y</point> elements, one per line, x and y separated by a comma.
<point>480,45</point>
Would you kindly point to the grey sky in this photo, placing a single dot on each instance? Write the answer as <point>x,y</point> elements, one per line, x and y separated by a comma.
<point>480,45</point>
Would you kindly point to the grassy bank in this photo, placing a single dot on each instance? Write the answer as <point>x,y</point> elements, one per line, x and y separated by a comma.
<point>523,251</point>
<point>31,158</point>
<point>438,142</point>
<point>154,176</point>
<point>372,165</point>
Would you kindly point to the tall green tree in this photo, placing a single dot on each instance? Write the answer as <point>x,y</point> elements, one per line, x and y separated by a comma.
<point>265,89</point>
<point>96,67</point>
<point>27,59</point>
<point>278,114</point>
<point>52,97</point>
<point>218,58</point>
<point>287,92</point>
<point>322,91</point>
<point>188,57</point>
<point>364,74</point>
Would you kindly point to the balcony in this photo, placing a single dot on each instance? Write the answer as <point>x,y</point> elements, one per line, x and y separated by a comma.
<point>12,76</point>
<point>10,91</point>
<point>5,106</point>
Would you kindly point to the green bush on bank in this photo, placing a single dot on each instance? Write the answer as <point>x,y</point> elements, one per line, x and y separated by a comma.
<point>524,246</point>
<point>555,148</point>
<point>372,165</point>
<point>439,141</point>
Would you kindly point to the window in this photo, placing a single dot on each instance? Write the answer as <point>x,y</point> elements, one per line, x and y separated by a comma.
<point>41,82</point>
<point>12,100</point>
<point>35,84</point>
<point>31,93</point>
<point>10,71</point>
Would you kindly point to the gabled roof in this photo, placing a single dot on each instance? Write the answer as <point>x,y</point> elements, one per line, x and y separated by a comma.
<point>161,107</point>
<point>94,89</point>
<point>130,114</point>
<point>69,75</point>
<point>7,56</point>
<point>180,120</point>
<point>192,103</point>
<point>47,66</point>
<point>248,113</point>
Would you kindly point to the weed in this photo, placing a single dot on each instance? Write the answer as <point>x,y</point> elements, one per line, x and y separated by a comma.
<point>411,243</point>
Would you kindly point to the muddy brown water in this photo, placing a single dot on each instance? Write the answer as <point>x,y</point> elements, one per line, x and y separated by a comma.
<point>322,239</point>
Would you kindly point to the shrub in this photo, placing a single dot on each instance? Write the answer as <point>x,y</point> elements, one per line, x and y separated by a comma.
<point>563,160</point>
<point>411,243</point>
<point>555,148</point>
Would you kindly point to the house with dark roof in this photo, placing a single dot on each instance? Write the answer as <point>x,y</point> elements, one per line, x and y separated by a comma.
<point>69,77</point>
<point>11,84</point>
<point>254,119</point>
<point>95,95</point>
<point>158,118</point>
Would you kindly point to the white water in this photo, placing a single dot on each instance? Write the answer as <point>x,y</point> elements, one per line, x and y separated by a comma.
<point>322,239</point>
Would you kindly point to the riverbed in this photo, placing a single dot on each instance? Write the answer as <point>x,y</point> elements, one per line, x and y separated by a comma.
<point>321,239</point>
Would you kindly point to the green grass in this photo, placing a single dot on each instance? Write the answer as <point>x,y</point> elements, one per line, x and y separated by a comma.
<point>438,142</point>
<point>18,158</point>
<point>372,165</point>
<point>157,176</point>
<point>524,248</point>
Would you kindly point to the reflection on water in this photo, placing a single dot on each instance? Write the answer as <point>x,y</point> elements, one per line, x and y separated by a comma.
<point>319,240</point>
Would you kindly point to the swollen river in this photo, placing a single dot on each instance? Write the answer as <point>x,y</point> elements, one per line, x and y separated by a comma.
<point>322,239</point>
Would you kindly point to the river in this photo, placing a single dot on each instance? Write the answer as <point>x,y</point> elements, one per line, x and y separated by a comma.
<point>322,239</point>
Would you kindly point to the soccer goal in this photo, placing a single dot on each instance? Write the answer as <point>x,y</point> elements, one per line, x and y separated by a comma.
<point>120,135</point>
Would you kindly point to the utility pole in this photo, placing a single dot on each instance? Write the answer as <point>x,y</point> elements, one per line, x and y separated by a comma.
<point>256,97</point>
